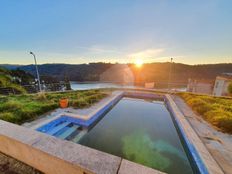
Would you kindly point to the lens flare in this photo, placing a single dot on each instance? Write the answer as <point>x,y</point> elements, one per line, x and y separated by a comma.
<point>139,63</point>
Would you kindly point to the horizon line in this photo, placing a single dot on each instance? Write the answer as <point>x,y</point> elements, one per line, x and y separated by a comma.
<point>216,63</point>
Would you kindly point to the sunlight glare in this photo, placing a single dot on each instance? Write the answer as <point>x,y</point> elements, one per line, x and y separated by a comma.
<point>139,63</point>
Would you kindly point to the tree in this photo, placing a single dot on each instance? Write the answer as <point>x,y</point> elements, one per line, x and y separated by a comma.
<point>67,83</point>
<point>21,77</point>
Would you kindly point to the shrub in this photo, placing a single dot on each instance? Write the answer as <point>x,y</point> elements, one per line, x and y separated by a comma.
<point>41,96</point>
<point>9,116</point>
<point>17,88</point>
<point>80,103</point>
<point>220,119</point>
<point>215,110</point>
<point>11,105</point>
<point>230,88</point>
<point>26,114</point>
<point>199,105</point>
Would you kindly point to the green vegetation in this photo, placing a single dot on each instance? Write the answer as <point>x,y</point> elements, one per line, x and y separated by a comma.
<point>22,108</point>
<point>230,88</point>
<point>215,110</point>
<point>6,81</point>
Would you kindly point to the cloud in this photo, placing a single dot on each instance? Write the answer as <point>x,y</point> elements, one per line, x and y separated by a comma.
<point>98,49</point>
<point>147,54</point>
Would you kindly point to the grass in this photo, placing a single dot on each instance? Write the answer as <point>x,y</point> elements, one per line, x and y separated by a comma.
<point>215,110</point>
<point>21,108</point>
<point>6,82</point>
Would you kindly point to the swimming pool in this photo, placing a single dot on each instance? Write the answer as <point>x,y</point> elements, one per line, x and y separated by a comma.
<point>141,131</point>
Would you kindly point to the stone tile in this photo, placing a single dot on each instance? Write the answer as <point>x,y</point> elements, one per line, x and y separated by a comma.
<point>19,133</point>
<point>84,157</point>
<point>128,167</point>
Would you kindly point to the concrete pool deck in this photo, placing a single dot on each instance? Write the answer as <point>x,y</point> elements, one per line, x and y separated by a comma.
<point>35,148</point>
<point>218,144</point>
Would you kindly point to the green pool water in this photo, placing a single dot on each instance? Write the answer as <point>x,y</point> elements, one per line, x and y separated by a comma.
<point>143,132</point>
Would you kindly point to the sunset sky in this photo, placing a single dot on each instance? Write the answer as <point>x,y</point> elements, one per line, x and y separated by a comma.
<point>82,31</point>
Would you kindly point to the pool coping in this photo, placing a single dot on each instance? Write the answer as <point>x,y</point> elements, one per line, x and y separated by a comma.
<point>203,159</point>
<point>205,163</point>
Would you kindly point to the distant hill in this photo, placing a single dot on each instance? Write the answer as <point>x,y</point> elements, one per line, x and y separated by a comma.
<point>10,66</point>
<point>157,72</point>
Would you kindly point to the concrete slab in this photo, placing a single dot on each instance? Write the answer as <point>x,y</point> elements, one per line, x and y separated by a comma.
<point>128,167</point>
<point>87,158</point>
<point>18,133</point>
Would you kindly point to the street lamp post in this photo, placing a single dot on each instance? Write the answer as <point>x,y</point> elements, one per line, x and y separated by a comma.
<point>37,71</point>
<point>169,77</point>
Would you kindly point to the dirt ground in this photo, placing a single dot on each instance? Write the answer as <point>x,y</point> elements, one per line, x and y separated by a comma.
<point>10,165</point>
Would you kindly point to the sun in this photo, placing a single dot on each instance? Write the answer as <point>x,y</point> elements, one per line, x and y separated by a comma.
<point>138,63</point>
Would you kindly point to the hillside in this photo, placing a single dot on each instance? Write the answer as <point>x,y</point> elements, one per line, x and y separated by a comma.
<point>9,81</point>
<point>157,72</point>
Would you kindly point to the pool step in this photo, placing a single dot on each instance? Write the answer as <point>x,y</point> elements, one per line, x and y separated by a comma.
<point>68,132</point>
<point>78,136</point>
<point>57,128</point>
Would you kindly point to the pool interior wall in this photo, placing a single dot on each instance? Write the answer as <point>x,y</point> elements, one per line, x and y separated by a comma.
<point>80,127</point>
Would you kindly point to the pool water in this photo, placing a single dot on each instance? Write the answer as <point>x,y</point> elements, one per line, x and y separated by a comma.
<point>143,132</point>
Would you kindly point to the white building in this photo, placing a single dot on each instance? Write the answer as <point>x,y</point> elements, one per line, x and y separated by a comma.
<point>221,85</point>
<point>200,86</point>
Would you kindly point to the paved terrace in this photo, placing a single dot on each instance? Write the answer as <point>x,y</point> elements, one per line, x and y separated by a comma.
<point>52,155</point>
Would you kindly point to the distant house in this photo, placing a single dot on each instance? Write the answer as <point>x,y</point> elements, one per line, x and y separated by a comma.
<point>200,86</point>
<point>149,85</point>
<point>221,84</point>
